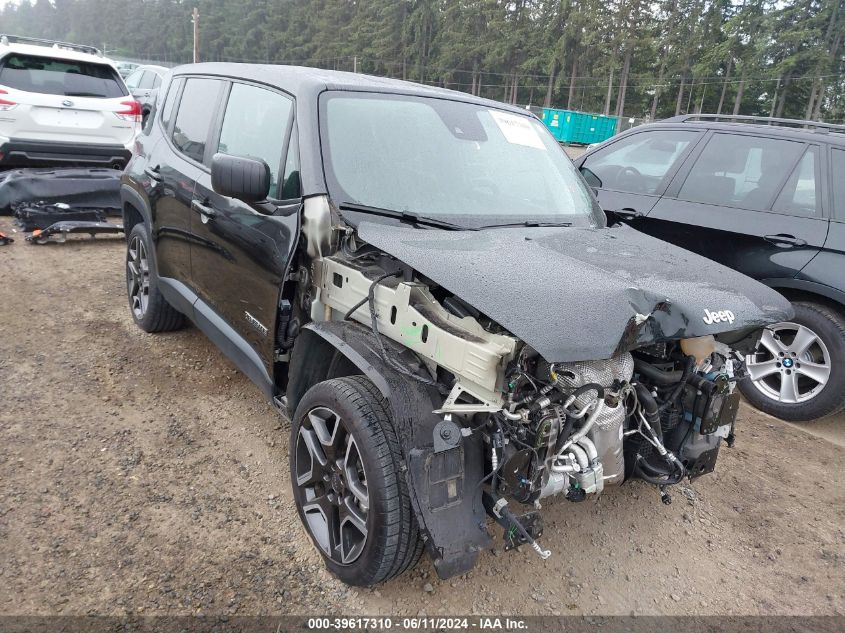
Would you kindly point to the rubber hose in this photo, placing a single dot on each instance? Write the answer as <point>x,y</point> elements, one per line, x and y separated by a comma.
<point>652,411</point>
<point>656,375</point>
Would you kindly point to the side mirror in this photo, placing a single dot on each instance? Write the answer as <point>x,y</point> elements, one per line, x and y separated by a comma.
<point>592,180</point>
<point>246,179</point>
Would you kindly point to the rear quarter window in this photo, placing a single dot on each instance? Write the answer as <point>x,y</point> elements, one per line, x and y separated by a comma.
<point>49,75</point>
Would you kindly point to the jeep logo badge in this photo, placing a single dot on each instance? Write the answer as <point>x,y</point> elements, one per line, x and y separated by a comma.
<point>716,317</point>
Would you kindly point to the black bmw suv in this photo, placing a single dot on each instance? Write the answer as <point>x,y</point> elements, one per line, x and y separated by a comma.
<point>765,197</point>
<point>422,281</point>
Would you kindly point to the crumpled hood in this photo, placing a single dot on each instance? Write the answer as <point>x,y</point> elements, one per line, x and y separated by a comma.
<point>583,294</point>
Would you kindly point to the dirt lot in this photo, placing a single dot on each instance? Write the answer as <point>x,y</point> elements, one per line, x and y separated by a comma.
<point>144,474</point>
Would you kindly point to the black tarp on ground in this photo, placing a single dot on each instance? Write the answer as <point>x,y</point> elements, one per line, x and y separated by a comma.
<point>79,187</point>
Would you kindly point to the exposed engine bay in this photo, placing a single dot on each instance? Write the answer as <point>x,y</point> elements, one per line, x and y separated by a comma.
<point>573,428</point>
<point>548,429</point>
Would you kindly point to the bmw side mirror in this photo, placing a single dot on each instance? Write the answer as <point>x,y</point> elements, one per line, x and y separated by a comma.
<point>246,179</point>
<point>592,180</point>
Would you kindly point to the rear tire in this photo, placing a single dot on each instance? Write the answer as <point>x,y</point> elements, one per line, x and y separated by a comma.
<point>348,482</point>
<point>149,309</point>
<point>800,366</point>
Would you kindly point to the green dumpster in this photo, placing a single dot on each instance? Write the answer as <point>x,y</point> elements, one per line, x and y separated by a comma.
<point>579,128</point>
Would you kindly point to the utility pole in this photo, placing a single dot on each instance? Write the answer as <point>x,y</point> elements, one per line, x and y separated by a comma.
<point>355,64</point>
<point>195,19</point>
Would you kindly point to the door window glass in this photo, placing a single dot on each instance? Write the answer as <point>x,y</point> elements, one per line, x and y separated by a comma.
<point>800,193</point>
<point>639,163</point>
<point>838,171</point>
<point>193,120</point>
<point>740,171</point>
<point>156,80</point>
<point>254,126</point>
<point>133,80</point>
<point>167,108</point>
<point>147,80</point>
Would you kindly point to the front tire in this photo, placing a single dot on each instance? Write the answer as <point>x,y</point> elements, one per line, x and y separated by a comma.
<point>350,491</point>
<point>148,307</point>
<point>798,370</point>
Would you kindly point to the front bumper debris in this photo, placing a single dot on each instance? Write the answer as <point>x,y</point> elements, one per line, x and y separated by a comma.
<point>59,231</point>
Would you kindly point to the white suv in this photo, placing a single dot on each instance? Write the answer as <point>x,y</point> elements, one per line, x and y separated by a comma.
<point>62,104</point>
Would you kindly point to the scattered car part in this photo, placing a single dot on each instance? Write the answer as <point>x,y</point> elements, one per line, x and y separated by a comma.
<point>59,231</point>
<point>5,239</point>
<point>39,216</point>
<point>85,187</point>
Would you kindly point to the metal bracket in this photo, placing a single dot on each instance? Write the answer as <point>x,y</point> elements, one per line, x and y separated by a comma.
<point>450,405</point>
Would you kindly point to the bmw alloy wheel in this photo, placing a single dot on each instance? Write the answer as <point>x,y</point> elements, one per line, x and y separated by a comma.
<point>333,485</point>
<point>791,364</point>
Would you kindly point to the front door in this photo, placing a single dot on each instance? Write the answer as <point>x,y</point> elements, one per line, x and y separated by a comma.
<point>240,251</point>
<point>631,173</point>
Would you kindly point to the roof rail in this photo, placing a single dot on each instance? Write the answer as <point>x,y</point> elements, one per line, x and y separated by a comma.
<point>5,40</point>
<point>818,126</point>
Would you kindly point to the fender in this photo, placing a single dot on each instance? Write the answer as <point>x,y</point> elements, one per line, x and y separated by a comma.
<point>807,286</point>
<point>442,479</point>
<point>131,196</point>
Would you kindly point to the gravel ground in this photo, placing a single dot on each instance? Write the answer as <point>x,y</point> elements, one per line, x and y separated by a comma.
<point>144,474</point>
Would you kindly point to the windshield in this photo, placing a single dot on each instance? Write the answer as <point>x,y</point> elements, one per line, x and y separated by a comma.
<point>466,163</point>
<point>64,77</point>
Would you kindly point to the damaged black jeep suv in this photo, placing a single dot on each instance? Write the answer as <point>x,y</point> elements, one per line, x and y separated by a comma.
<point>424,282</point>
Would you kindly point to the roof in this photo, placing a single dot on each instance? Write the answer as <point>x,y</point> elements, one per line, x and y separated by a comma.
<point>53,51</point>
<point>781,128</point>
<point>304,81</point>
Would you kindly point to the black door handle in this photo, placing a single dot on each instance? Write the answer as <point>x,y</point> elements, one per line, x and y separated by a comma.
<point>203,209</point>
<point>627,214</point>
<point>783,239</point>
<point>152,172</point>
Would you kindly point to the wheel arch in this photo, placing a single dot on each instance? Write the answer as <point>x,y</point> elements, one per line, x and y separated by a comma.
<point>135,209</point>
<point>801,290</point>
<point>453,529</point>
<point>321,353</point>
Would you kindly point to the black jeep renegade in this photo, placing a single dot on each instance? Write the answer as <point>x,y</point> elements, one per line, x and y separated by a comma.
<point>422,280</point>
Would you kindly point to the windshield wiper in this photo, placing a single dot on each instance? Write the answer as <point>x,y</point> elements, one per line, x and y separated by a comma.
<point>405,216</point>
<point>84,94</point>
<point>525,223</point>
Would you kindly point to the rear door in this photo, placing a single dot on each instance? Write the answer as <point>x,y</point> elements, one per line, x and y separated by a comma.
<point>750,202</point>
<point>175,165</point>
<point>65,101</point>
<point>632,172</point>
<point>239,251</point>
<point>828,267</point>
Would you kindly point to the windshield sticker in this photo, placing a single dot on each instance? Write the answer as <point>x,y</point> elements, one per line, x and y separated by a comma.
<point>517,129</point>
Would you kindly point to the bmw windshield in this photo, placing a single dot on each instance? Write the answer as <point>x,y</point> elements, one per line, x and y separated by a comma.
<point>464,163</point>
